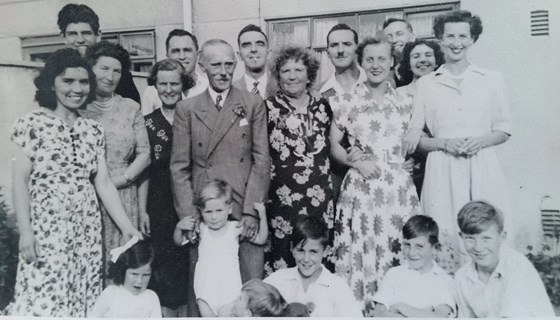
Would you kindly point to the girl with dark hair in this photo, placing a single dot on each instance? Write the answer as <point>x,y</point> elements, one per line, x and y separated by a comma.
<point>129,297</point>
<point>466,112</point>
<point>128,149</point>
<point>59,170</point>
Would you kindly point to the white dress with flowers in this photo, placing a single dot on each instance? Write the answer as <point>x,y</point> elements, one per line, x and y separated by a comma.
<point>300,182</point>
<point>371,212</point>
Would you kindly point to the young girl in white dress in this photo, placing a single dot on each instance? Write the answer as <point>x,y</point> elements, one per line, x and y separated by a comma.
<point>217,278</point>
<point>129,297</point>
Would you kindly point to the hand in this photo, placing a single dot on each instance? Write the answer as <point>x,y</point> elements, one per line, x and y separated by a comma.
<point>472,145</point>
<point>408,165</point>
<point>131,232</point>
<point>250,226</point>
<point>261,210</point>
<point>187,223</point>
<point>354,154</point>
<point>144,220</point>
<point>28,247</point>
<point>454,147</point>
<point>410,141</point>
<point>368,169</point>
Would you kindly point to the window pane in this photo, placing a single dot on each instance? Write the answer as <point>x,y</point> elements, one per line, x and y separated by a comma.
<point>139,45</point>
<point>423,22</point>
<point>372,24</point>
<point>322,26</point>
<point>288,33</point>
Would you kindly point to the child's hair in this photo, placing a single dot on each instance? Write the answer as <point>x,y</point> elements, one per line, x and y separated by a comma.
<point>307,227</point>
<point>476,216</point>
<point>263,299</point>
<point>215,189</point>
<point>296,309</point>
<point>420,225</point>
<point>140,254</point>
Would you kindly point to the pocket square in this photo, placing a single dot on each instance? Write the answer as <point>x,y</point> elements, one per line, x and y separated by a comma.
<point>243,122</point>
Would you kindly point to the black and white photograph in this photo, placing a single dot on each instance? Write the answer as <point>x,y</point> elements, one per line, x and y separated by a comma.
<point>279,158</point>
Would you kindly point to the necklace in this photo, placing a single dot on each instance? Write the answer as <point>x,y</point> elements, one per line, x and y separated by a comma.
<point>104,106</point>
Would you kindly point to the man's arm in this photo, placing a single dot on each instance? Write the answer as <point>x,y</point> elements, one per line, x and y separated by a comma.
<point>181,163</point>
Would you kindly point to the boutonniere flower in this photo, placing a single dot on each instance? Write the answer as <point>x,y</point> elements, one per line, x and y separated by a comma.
<point>240,111</point>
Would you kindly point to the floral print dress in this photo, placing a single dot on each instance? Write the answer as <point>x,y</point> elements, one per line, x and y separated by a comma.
<point>370,213</point>
<point>300,180</point>
<point>65,280</point>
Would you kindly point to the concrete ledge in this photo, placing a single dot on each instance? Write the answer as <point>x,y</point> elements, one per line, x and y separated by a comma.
<point>21,64</point>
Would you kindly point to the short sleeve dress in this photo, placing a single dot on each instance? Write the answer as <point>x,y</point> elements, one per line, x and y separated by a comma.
<point>370,213</point>
<point>217,278</point>
<point>65,280</point>
<point>126,138</point>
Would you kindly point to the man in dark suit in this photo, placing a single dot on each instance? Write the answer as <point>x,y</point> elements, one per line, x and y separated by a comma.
<point>253,51</point>
<point>222,134</point>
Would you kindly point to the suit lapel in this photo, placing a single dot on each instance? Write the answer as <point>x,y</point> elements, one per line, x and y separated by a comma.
<point>225,119</point>
<point>206,112</point>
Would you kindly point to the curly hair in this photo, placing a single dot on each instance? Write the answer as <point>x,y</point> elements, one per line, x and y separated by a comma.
<point>298,54</point>
<point>56,65</point>
<point>140,254</point>
<point>458,16</point>
<point>369,41</point>
<point>108,49</point>
<point>170,65</point>
<point>76,13</point>
<point>405,70</point>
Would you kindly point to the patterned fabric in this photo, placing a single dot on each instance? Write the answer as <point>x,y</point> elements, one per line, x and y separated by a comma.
<point>169,269</point>
<point>126,138</point>
<point>65,280</point>
<point>370,213</point>
<point>300,182</point>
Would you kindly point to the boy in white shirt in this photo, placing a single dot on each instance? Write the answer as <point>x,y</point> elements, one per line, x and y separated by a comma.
<point>419,288</point>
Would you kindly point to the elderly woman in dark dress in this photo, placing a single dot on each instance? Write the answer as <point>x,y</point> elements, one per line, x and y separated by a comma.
<point>298,127</point>
<point>170,267</point>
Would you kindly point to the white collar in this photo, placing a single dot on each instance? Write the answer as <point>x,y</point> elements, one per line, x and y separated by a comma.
<point>332,83</point>
<point>214,95</point>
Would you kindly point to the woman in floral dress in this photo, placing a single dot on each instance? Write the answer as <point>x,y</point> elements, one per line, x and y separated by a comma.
<point>170,267</point>
<point>377,194</point>
<point>298,126</point>
<point>59,166</point>
<point>128,149</point>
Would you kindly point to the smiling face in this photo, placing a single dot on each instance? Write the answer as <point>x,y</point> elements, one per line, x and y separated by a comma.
<point>218,61</point>
<point>456,41</point>
<point>216,212</point>
<point>422,60</point>
<point>418,252</point>
<point>80,36</point>
<point>71,88</point>
<point>108,73</point>
<point>182,49</point>
<point>169,87</point>
<point>253,50</point>
<point>342,48</point>
<point>377,62</point>
<point>136,280</point>
<point>398,34</point>
<point>308,259</point>
<point>484,247</point>
<point>293,78</point>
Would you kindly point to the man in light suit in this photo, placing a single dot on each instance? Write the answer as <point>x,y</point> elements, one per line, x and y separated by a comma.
<point>253,51</point>
<point>222,134</point>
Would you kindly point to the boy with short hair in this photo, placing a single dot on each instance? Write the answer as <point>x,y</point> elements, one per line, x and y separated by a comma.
<point>310,281</point>
<point>419,288</point>
<point>498,282</point>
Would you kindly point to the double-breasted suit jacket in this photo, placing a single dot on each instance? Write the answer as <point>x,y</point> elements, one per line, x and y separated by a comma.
<point>231,145</point>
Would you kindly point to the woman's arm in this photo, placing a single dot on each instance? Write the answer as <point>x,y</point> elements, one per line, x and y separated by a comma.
<point>144,218</point>
<point>473,145</point>
<point>21,166</point>
<point>381,311</point>
<point>109,196</point>
<point>440,311</point>
<point>261,237</point>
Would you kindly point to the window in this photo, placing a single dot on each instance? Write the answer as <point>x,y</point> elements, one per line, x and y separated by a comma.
<point>139,44</point>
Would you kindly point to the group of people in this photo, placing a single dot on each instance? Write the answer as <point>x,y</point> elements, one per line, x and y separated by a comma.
<point>339,195</point>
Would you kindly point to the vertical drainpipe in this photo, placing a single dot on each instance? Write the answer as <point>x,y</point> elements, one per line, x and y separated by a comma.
<point>187,15</point>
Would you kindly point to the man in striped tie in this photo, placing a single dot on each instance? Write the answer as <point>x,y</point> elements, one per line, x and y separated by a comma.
<point>253,51</point>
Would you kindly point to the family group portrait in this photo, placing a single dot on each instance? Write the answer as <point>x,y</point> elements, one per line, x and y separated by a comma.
<point>261,158</point>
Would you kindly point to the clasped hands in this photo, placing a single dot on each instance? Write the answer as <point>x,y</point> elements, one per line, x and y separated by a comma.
<point>458,147</point>
<point>362,162</point>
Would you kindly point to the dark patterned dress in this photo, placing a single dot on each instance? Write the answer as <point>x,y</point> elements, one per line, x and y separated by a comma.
<point>300,180</point>
<point>370,213</point>
<point>170,266</point>
<point>65,280</point>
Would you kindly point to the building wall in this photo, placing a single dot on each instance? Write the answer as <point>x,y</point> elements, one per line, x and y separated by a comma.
<point>22,18</point>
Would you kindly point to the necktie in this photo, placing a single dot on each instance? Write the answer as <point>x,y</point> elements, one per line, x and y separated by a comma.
<point>255,89</point>
<point>218,100</point>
